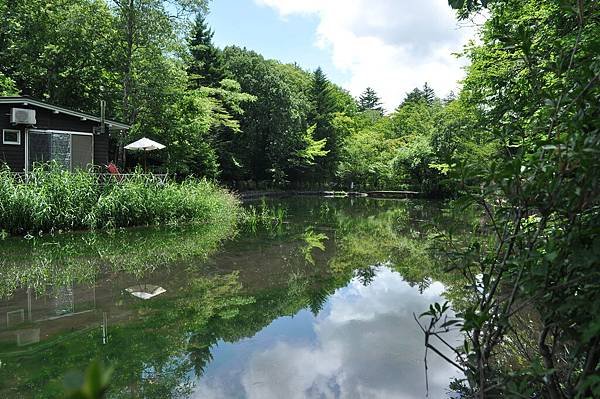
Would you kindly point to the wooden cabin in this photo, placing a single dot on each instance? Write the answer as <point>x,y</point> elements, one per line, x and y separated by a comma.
<point>35,131</point>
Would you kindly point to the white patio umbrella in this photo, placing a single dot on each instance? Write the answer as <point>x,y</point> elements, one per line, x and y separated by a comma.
<point>144,144</point>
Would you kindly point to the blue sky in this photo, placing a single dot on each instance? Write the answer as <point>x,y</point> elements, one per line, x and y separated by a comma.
<point>260,28</point>
<point>389,45</point>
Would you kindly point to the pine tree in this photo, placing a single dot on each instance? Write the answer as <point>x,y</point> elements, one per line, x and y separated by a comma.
<point>428,94</point>
<point>206,66</point>
<point>369,100</point>
<point>415,96</point>
<point>324,105</point>
<point>322,95</point>
<point>449,98</point>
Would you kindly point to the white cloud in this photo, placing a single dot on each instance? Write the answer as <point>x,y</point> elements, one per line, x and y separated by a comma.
<point>390,45</point>
<point>366,345</point>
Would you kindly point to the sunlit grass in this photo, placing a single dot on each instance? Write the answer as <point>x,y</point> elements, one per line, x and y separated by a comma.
<point>54,200</point>
<point>263,215</point>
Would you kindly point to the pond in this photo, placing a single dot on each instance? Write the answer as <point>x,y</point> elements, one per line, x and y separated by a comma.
<point>320,306</point>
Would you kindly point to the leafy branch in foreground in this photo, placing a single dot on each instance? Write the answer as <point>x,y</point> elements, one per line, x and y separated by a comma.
<point>92,385</point>
<point>532,328</point>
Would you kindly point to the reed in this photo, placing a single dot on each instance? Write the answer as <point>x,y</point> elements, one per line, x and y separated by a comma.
<point>263,215</point>
<point>53,200</point>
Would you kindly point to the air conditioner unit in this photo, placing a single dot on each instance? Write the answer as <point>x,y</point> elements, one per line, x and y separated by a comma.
<point>21,116</point>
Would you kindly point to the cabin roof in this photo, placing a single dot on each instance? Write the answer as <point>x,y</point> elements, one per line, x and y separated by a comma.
<point>26,100</point>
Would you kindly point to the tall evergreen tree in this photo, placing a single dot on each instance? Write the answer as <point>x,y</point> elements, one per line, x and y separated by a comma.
<point>369,100</point>
<point>324,106</point>
<point>428,94</point>
<point>324,102</point>
<point>449,98</point>
<point>206,66</point>
<point>415,96</point>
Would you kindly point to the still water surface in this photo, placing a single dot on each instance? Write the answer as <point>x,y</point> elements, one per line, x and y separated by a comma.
<point>318,307</point>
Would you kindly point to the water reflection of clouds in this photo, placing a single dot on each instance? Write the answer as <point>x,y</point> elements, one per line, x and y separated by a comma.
<point>367,345</point>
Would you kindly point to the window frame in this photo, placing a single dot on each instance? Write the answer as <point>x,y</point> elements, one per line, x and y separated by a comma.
<point>10,142</point>
<point>71,133</point>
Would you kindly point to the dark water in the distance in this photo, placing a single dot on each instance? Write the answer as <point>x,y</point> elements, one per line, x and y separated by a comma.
<point>319,307</point>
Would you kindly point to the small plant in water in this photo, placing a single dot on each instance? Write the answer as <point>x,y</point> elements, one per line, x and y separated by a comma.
<point>264,215</point>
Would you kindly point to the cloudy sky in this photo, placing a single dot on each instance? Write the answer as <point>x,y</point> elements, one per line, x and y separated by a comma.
<point>363,344</point>
<point>390,45</point>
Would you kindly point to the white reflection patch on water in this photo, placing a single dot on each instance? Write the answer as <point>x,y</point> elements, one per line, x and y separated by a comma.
<point>366,344</point>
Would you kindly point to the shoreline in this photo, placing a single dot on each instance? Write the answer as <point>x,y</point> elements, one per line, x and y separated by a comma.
<point>252,195</point>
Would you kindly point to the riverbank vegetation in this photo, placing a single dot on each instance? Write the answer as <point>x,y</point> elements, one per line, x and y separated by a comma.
<point>226,114</point>
<point>532,324</point>
<point>52,200</point>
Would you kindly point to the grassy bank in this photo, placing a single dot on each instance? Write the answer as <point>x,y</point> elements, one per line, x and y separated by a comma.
<point>52,200</point>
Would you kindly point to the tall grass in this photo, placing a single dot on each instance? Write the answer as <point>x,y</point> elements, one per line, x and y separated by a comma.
<point>53,200</point>
<point>263,215</point>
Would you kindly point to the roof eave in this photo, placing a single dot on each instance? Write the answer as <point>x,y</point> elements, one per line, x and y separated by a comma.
<point>66,111</point>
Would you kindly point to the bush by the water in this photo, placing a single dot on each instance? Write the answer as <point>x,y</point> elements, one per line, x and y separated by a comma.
<point>51,199</point>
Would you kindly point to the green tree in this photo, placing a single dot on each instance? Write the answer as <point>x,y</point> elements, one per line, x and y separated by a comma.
<point>428,94</point>
<point>206,65</point>
<point>273,127</point>
<point>7,86</point>
<point>370,101</point>
<point>312,148</point>
<point>415,124</point>
<point>345,103</point>
<point>190,146</point>
<point>324,106</point>
<point>227,102</point>
<point>368,153</point>
<point>148,31</point>
<point>532,325</point>
<point>67,58</point>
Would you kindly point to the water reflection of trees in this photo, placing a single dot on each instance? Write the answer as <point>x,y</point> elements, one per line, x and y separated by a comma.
<point>165,340</point>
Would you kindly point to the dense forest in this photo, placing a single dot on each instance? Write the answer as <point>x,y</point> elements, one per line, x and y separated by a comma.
<point>520,143</point>
<point>227,114</point>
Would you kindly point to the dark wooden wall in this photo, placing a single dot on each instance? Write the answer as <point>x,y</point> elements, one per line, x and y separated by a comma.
<point>14,155</point>
<point>101,150</point>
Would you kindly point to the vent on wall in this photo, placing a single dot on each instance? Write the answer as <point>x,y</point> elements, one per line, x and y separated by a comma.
<point>22,116</point>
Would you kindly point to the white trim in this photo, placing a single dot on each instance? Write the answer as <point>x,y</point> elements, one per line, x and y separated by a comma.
<point>18,311</point>
<point>61,131</point>
<point>30,101</point>
<point>26,150</point>
<point>8,142</point>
